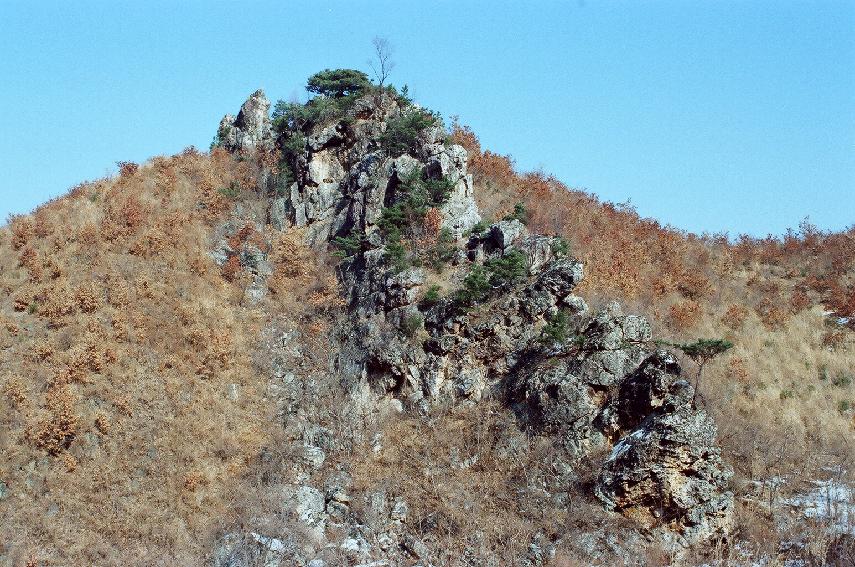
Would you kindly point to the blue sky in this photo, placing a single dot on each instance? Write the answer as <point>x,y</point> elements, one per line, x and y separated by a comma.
<point>710,116</point>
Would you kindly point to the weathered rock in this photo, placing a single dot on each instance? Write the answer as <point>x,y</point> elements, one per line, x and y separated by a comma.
<point>251,129</point>
<point>278,213</point>
<point>252,549</point>
<point>669,470</point>
<point>597,385</point>
<point>503,234</point>
<point>416,547</point>
<point>308,505</point>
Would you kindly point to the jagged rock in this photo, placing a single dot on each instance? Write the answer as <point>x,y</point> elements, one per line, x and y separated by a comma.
<point>309,505</point>
<point>502,235</point>
<point>252,549</point>
<point>576,304</point>
<point>278,213</point>
<point>402,288</point>
<point>314,456</point>
<point>400,511</point>
<point>416,547</point>
<point>539,251</point>
<point>561,402</point>
<point>252,127</point>
<point>332,134</point>
<point>669,470</point>
<point>600,385</point>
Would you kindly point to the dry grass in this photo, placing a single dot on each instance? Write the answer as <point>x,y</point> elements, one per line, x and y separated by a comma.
<point>121,341</point>
<point>783,396</point>
<point>478,484</point>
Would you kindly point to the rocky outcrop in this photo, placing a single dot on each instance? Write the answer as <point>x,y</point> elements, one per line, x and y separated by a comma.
<point>346,178</point>
<point>592,382</point>
<point>251,129</point>
<point>669,472</point>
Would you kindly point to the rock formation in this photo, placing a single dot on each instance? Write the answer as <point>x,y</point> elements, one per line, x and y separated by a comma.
<point>251,129</point>
<point>596,383</point>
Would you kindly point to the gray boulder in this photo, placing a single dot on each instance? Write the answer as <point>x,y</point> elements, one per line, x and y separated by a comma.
<point>251,129</point>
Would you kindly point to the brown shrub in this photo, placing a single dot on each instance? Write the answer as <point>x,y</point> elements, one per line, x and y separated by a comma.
<point>694,285</point>
<point>231,269</point>
<point>325,296</point>
<point>127,168</point>
<point>88,297</point>
<point>735,316</point>
<point>22,231</point>
<point>24,299</point>
<point>69,462</point>
<point>684,315</point>
<point>433,221</point>
<point>833,338</point>
<point>29,259</point>
<point>663,285</point>
<point>799,301</point>
<point>102,423</point>
<point>58,303</point>
<point>772,313</point>
<point>15,393</point>
<point>150,244</point>
<point>55,433</point>
<point>41,351</point>
<point>198,266</point>
<point>53,269</point>
<point>89,235</point>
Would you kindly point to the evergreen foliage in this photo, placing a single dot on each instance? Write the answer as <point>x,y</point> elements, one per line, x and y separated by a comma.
<point>556,330</point>
<point>338,83</point>
<point>476,287</point>
<point>402,132</point>
<point>508,269</point>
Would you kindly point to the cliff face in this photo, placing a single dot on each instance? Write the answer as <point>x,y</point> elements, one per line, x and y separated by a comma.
<point>444,313</point>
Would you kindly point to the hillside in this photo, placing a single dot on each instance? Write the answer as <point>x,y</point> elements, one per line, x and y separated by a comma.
<point>348,335</point>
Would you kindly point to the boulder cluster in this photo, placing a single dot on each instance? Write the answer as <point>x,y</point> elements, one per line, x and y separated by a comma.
<point>596,384</point>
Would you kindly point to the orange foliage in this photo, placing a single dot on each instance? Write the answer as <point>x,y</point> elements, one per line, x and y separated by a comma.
<point>56,432</point>
<point>735,316</point>
<point>685,314</point>
<point>772,313</point>
<point>433,221</point>
<point>127,168</point>
<point>630,257</point>
<point>22,231</point>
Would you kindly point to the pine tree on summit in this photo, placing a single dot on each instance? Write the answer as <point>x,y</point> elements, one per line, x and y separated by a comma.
<point>338,83</point>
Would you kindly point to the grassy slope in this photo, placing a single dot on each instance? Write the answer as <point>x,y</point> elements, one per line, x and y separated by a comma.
<point>783,397</point>
<point>120,341</point>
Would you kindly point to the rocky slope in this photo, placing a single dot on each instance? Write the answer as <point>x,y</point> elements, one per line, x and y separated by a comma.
<point>495,322</point>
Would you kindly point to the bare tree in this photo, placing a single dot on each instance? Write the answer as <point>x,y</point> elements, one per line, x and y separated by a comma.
<point>382,63</point>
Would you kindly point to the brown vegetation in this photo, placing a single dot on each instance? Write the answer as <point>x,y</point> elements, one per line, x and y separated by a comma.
<point>785,302</point>
<point>122,340</point>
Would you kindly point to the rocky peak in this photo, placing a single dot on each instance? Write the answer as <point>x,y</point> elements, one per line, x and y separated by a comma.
<point>513,330</point>
<point>251,129</point>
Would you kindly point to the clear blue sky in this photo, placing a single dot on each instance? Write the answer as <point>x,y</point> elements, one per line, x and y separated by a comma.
<point>736,116</point>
